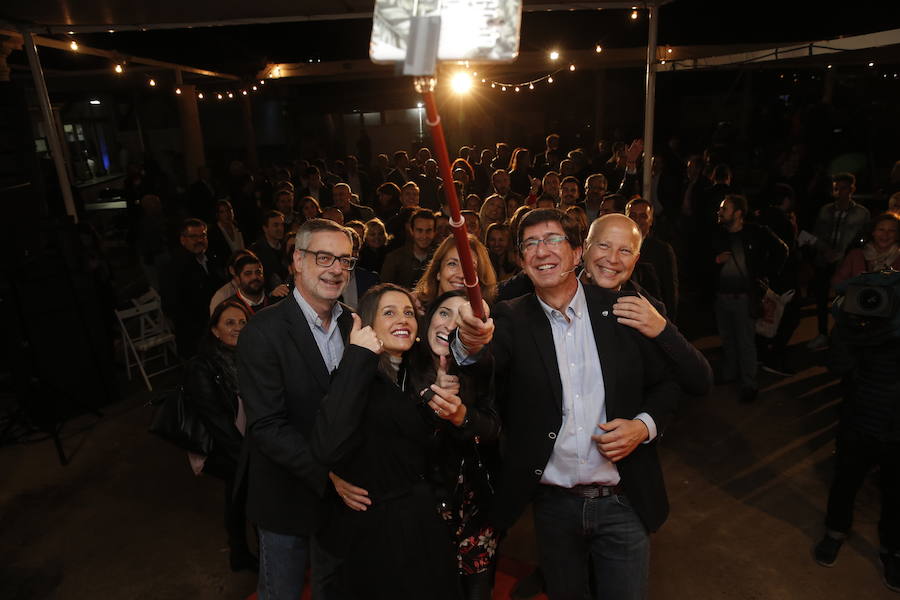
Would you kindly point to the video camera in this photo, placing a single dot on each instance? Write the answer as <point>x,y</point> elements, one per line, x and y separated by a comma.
<point>868,307</point>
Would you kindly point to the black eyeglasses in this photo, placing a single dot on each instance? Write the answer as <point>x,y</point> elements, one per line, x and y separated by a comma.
<point>326,259</point>
<point>551,241</point>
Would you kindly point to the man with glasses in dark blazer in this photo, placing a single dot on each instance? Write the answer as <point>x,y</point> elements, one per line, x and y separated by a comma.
<point>584,400</point>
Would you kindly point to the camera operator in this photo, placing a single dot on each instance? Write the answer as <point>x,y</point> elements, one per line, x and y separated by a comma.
<point>865,351</point>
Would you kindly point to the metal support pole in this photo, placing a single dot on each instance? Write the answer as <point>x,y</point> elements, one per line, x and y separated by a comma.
<point>50,129</point>
<point>650,102</point>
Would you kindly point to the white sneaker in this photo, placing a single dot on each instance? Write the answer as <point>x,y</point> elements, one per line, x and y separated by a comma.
<point>817,343</point>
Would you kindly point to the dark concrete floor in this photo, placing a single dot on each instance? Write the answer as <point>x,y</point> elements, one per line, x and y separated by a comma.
<point>126,519</point>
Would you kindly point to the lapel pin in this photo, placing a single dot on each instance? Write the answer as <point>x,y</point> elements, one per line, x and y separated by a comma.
<point>605,313</point>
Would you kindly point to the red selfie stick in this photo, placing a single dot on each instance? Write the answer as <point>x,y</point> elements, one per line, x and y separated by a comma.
<point>457,223</point>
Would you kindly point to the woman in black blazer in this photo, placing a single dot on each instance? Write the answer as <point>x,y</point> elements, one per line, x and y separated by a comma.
<point>376,430</point>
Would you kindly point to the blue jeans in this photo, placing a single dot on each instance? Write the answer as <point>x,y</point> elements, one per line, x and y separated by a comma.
<point>282,567</point>
<point>603,534</point>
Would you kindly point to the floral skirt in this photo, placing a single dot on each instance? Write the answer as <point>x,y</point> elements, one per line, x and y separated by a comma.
<point>476,541</point>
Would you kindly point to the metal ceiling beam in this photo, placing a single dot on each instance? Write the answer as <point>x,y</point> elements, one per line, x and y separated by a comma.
<point>786,52</point>
<point>119,57</point>
<point>36,26</point>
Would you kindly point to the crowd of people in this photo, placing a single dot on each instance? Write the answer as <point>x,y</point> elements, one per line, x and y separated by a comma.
<point>368,423</point>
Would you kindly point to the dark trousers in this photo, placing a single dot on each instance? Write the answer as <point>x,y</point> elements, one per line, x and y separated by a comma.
<point>772,352</point>
<point>235,518</point>
<point>857,453</point>
<point>601,540</point>
<point>820,286</point>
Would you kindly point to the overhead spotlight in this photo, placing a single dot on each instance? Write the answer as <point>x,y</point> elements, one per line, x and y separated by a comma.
<point>119,68</point>
<point>200,96</point>
<point>549,80</point>
<point>110,31</point>
<point>254,88</point>
<point>94,102</point>
<point>230,95</point>
<point>871,64</point>
<point>598,49</point>
<point>554,55</point>
<point>828,67</point>
<point>244,92</point>
<point>152,83</point>
<point>461,82</point>
<point>503,89</point>
<point>530,86</point>
<point>571,67</point>
<point>178,91</point>
<point>662,62</point>
<point>493,85</point>
<point>73,45</point>
<point>634,15</point>
<point>517,88</point>
<point>278,70</point>
<point>483,80</point>
<point>218,96</point>
<point>668,51</point>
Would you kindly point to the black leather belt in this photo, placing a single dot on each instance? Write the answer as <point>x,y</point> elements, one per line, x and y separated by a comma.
<point>594,490</point>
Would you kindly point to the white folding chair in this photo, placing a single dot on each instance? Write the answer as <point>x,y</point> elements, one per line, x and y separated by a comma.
<point>146,337</point>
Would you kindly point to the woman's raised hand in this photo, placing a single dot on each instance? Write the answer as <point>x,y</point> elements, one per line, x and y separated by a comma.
<point>364,336</point>
<point>445,381</point>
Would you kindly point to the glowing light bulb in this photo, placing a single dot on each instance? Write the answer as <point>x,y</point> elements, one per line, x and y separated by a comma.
<point>119,69</point>
<point>598,49</point>
<point>178,91</point>
<point>230,95</point>
<point>517,88</point>
<point>828,67</point>
<point>493,85</point>
<point>218,96</point>
<point>483,80</point>
<point>254,88</point>
<point>73,45</point>
<point>662,62</point>
<point>152,83</point>
<point>871,64</point>
<point>634,15</point>
<point>200,96</point>
<point>668,51</point>
<point>244,92</point>
<point>554,55</point>
<point>461,82</point>
<point>571,67</point>
<point>549,80</point>
<point>530,86</point>
<point>503,89</point>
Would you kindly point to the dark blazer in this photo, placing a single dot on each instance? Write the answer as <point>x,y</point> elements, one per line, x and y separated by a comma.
<point>283,378</point>
<point>186,289</point>
<point>636,379</point>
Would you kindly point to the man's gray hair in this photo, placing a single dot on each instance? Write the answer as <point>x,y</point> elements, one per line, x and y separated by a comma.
<point>306,231</point>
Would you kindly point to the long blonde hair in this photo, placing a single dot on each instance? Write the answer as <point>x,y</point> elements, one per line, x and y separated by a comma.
<point>427,289</point>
